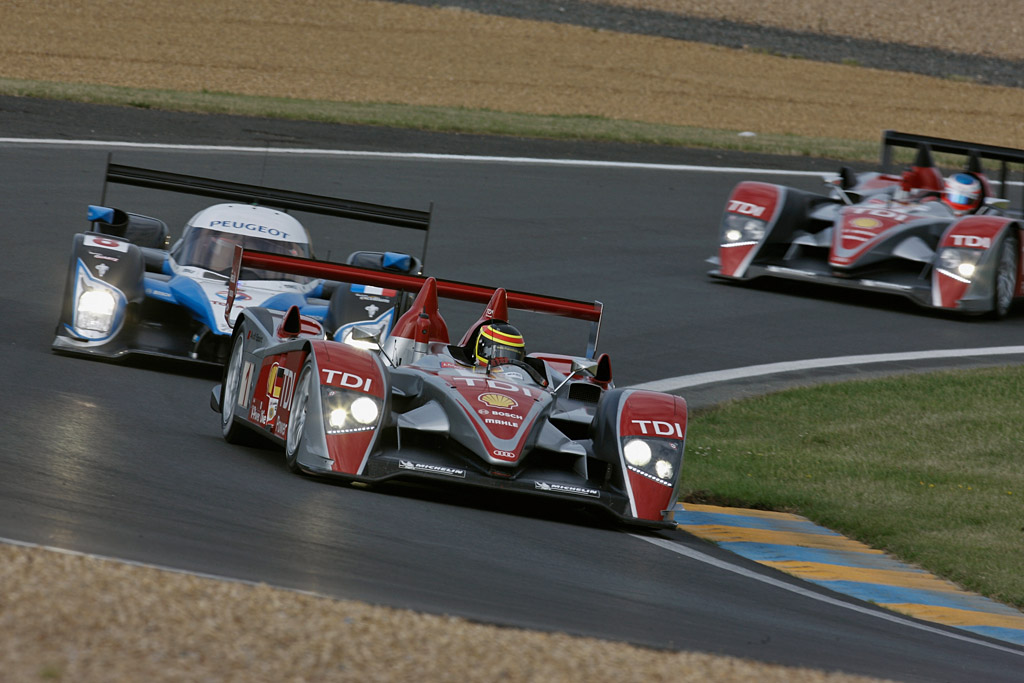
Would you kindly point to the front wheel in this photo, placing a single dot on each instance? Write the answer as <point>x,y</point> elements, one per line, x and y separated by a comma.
<point>1004,285</point>
<point>232,432</point>
<point>297,421</point>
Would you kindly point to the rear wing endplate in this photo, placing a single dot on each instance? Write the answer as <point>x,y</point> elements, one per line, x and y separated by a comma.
<point>589,311</point>
<point>1007,157</point>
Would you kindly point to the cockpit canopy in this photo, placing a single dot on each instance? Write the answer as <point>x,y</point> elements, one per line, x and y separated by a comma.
<point>211,235</point>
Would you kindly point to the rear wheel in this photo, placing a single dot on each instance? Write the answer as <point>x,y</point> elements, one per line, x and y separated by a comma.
<point>297,421</point>
<point>231,431</point>
<point>1005,282</point>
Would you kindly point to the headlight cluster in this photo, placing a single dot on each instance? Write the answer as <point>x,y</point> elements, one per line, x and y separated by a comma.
<point>348,411</point>
<point>96,307</point>
<point>960,262</point>
<point>737,229</point>
<point>346,337</point>
<point>656,458</point>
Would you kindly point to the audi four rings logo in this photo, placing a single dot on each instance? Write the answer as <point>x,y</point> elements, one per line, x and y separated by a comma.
<point>505,455</point>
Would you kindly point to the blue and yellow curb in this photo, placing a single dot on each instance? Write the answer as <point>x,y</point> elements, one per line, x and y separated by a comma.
<point>799,547</point>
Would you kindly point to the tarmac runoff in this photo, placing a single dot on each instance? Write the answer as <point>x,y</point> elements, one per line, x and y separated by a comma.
<point>799,547</point>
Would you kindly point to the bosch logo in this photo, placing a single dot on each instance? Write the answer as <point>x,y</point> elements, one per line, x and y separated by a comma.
<point>971,241</point>
<point>736,206</point>
<point>504,455</point>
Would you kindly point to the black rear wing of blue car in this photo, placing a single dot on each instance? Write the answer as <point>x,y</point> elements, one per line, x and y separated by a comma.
<point>277,198</point>
<point>1008,161</point>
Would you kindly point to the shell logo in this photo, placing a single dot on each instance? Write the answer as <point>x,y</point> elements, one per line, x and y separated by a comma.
<point>498,400</point>
<point>867,223</point>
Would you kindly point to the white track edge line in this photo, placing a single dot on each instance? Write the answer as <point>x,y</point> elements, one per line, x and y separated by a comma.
<point>404,155</point>
<point>701,378</point>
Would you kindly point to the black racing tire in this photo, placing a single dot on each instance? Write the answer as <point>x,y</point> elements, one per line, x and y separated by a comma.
<point>231,430</point>
<point>1004,278</point>
<point>299,414</point>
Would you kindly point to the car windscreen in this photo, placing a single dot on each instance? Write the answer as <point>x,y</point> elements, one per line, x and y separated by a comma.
<point>213,251</point>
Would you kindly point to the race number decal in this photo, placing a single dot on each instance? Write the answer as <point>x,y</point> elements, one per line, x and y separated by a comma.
<point>102,242</point>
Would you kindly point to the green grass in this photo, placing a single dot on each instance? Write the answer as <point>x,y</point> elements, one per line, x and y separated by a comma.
<point>927,467</point>
<point>445,119</point>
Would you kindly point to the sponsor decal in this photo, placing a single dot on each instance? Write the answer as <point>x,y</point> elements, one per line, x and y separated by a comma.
<point>659,428</point>
<point>281,428</point>
<point>498,400</point>
<point>239,295</point>
<point>371,310</point>
<point>448,364</point>
<point>255,336</point>
<point>736,206</point>
<point>368,289</point>
<point>159,293</point>
<point>102,269</point>
<point>866,223</point>
<point>103,257</point>
<point>251,227</point>
<point>105,243</point>
<point>504,455</point>
<point>971,241</point>
<point>493,384</point>
<point>566,488</point>
<point>513,374</point>
<point>878,213</point>
<point>431,469</point>
<point>347,380</point>
<point>504,423</point>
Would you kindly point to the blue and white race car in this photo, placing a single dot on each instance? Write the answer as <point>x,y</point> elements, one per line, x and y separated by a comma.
<point>127,293</point>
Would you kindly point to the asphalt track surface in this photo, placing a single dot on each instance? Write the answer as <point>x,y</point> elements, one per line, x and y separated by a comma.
<point>127,461</point>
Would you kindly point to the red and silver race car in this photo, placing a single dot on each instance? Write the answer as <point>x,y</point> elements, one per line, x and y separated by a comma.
<point>948,243</point>
<point>417,406</point>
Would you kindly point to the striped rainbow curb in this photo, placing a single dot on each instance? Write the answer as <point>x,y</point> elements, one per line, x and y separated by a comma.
<point>797,546</point>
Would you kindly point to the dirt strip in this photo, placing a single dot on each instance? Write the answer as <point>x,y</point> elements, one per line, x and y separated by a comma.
<point>359,51</point>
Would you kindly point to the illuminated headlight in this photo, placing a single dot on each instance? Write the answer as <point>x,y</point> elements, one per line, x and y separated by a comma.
<point>95,310</point>
<point>637,452</point>
<point>348,411</point>
<point>962,262</point>
<point>663,468</point>
<point>364,410</point>
<point>655,458</point>
<point>738,228</point>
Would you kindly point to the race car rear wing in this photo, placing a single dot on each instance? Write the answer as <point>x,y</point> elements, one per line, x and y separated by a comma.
<point>1007,158</point>
<point>589,311</point>
<point>255,194</point>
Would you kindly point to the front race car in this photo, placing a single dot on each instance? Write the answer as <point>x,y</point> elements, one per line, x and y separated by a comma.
<point>415,407</point>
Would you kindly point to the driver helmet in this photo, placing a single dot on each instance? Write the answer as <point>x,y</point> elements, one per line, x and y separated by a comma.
<point>498,339</point>
<point>962,193</point>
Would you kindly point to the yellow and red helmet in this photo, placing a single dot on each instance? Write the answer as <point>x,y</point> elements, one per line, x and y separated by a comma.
<point>499,340</point>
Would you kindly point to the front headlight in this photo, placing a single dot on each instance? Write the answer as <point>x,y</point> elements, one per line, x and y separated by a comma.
<point>98,307</point>
<point>348,411</point>
<point>637,452</point>
<point>960,262</point>
<point>95,310</point>
<point>656,458</point>
<point>736,228</point>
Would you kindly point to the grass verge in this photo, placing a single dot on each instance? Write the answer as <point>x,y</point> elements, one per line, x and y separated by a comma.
<point>445,119</point>
<point>927,467</point>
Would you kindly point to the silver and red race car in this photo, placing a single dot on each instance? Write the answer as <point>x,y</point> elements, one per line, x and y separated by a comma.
<point>903,234</point>
<point>414,405</point>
